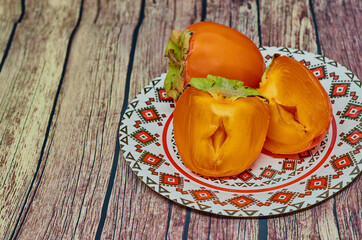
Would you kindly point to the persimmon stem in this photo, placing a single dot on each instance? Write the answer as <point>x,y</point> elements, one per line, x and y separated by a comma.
<point>176,51</point>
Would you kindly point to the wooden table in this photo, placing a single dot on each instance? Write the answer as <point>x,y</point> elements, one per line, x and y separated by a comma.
<point>69,69</point>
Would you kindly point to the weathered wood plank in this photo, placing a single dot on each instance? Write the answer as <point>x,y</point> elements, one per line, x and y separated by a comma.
<point>160,18</point>
<point>29,82</point>
<point>338,24</point>
<point>149,55</point>
<point>290,24</point>
<point>242,16</point>
<point>73,177</point>
<point>208,226</point>
<point>10,12</point>
<point>339,36</point>
<point>69,190</point>
<point>135,210</point>
<point>348,211</point>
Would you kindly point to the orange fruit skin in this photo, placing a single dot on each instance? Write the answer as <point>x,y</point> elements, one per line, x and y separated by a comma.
<point>222,51</point>
<point>219,137</point>
<point>300,108</point>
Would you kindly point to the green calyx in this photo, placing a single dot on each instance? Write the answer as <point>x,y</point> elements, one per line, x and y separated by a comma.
<point>176,51</point>
<point>220,87</point>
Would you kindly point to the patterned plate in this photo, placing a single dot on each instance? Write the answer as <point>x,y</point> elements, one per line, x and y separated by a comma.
<point>271,185</point>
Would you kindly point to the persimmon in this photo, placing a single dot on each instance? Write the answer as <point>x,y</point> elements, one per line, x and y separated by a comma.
<point>300,109</point>
<point>219,126</point>
<point>210,48</point>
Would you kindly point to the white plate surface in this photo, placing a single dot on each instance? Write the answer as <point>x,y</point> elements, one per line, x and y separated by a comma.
<point>271,185</point>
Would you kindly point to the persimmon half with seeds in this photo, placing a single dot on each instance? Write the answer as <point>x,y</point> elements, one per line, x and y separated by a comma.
<point>210,48</point>
<point>219,126</point>
<point>300,109</point>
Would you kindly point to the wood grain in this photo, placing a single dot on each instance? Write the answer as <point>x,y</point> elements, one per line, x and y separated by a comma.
<point>287,24</point>
<point>70,70</point>
<point>340,40</point>
<point>178,221</point>
<point>138,198</point>
<point>243,16</point>
<point>79,151</point>
<point>339,32</point>
<point>29,80</point>
<point>10,13</point>
<point>152,215</point>
<point>290,24</point>
<point>240,15</point>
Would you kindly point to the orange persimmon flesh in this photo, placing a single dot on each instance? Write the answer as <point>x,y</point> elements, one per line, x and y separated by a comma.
<point>218,135</point>
<point>299,107</point>
<point>210,48</point>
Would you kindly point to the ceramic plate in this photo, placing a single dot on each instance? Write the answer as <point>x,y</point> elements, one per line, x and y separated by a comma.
<point>271,185</point>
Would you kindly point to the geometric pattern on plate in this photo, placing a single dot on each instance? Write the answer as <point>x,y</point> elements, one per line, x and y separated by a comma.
<point>272,185</point>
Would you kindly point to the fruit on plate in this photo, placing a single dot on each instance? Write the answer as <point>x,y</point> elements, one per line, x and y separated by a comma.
<point>219,126</point>
<point>300,109</point>
<point>210,48</point>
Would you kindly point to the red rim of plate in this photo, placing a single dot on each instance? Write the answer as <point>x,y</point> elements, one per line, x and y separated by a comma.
<point>191,177</point>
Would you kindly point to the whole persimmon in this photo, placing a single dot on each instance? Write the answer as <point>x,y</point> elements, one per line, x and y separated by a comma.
<point>210,48</point>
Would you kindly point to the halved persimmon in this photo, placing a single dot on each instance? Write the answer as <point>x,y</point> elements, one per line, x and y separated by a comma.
<point>220,126</point>
<point>300,109</point>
